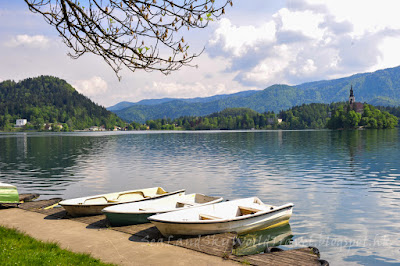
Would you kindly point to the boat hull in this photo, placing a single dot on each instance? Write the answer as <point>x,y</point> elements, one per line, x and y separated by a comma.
<point>123,219</point>
<point>238,226</point>
<point>8,194</point>
<point>84,210</point>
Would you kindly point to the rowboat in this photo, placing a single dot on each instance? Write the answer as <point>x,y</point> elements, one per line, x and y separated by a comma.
<point>8,193</point>
<point>241,216</point>
<point>138,212</point>
<point>94,204</point>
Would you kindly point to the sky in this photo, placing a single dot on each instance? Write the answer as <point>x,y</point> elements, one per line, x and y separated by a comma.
<point>257,43</point>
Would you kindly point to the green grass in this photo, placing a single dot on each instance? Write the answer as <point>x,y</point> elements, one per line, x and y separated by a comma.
<point>17,248</point>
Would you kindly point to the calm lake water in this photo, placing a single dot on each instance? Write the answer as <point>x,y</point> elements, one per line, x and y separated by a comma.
<point>345,184</point>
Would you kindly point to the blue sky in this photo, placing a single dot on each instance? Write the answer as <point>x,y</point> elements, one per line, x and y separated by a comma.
<point>258,43</point>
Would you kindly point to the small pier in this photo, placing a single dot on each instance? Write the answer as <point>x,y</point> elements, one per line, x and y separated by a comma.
<point>219,245</point>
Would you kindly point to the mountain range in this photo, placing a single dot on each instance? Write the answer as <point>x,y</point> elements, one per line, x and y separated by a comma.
<point>381,87</point>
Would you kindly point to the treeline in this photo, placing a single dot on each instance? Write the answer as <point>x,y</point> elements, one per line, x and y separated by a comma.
<point>52,100</point>
<point>229,119</point>
<point>306,116</point>
<point>345,117</point>
<point>393,110</point>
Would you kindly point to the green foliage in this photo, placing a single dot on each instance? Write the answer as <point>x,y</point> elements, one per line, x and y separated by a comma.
<point>228,119</point>
<point>19,249</point>
<point>306,116</point>
<point>390,109</point>
<point>48,99</point>
<point>344,117</point>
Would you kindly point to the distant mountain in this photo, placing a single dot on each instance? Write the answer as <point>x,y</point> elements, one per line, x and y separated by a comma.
<point>378,88</point>
<point>49,99</point>
<point>120,106</point>
<point>123,105</point>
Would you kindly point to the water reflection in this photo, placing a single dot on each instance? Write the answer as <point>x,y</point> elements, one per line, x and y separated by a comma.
<point>345,184</point>
<point>259,241</point>
<point>43,164</point>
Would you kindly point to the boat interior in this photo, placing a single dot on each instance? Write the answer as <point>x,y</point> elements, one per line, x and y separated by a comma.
<point>115,198</point>
<point>225,210</point>
<point>172,202</point>
<point>194,199</point>
<point>240,211</point>
<point>125,196</point>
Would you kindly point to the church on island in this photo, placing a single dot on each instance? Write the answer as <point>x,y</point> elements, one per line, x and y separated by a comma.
<point>356,106</point>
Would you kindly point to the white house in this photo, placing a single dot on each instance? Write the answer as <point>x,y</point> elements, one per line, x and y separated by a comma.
<point>20,122</point>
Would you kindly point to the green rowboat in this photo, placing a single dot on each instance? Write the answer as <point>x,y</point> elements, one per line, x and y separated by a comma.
<point>138,212</point>
<point>8,193</point>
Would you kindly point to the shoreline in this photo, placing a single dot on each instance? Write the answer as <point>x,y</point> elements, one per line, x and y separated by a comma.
<point>105,244</point>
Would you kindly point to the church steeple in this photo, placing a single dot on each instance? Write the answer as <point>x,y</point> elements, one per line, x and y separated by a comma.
<point>352,99</point>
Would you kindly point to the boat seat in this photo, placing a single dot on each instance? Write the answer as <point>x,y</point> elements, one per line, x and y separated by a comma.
<point>96,200</point>
<point>131,196</point>
<point>112,200</point>
<point>180,204</point>
<point>208,217</point>
<point>247,210</point>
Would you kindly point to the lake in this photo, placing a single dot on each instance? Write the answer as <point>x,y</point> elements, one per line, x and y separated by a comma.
<point>345,184</point>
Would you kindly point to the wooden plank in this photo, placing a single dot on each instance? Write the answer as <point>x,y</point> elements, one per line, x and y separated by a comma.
<point>247,210</point>
<point>207,217</point>
<point>27,197</point>
<point>40,204</point>
<point>303,256</point>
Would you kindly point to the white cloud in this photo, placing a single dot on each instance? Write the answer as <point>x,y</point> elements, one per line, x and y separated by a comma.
<point>186,90</point>
<point>91,87</point>
<point>365,15</point>
<point>236,39</point>
<point>310,39</point>
<point>35,41</point>
<point>305,22</point>
<point>388,58</point>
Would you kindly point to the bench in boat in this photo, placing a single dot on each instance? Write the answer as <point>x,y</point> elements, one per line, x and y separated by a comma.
<point>208,217</point>
<point>127,196</point>
<point>247,210</point>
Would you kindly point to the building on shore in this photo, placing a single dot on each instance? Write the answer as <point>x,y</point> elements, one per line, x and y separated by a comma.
<point>20,122</point>
<point>356,106</point>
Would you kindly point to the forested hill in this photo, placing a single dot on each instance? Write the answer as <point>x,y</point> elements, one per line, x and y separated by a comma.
<point>47,99</point>
<point>377,88</point>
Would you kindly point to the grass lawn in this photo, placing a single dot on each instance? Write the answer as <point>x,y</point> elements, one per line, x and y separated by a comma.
<point>17,248</point>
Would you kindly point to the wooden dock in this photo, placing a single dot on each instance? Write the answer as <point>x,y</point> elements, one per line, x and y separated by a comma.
<point>220,245</point>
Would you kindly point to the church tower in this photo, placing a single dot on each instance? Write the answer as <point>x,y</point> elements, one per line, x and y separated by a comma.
<point>352,99</point>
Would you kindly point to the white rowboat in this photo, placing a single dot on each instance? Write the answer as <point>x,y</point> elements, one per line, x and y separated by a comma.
<point>241,216</point>
<point>138,212</point>
<point>94,204</point>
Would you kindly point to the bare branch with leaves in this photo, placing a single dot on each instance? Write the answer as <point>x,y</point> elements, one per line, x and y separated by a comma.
<point>143,34</point>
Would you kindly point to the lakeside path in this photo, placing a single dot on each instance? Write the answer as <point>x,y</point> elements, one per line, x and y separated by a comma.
<point>105,244</point>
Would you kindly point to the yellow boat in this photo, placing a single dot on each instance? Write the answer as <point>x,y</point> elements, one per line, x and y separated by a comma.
<point>93,205</point>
